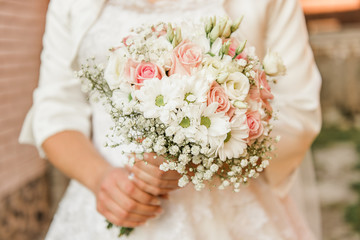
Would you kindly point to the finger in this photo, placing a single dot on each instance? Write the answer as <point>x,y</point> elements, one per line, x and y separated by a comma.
<point>156,172</point>
<point>154,159</point>
<point>135,193</point>
<point>151,180</point>
<point>118,192</point>
<point>115,209</point>
<point>149,188</point>
<point>120,222</point>
<point>114,216</point>
<point>133,206</point>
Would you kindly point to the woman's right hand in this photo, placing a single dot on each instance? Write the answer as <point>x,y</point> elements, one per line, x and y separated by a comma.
<point>122,202</point>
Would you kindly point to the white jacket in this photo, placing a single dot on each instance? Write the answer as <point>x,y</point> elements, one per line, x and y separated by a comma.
<point>59,105</point>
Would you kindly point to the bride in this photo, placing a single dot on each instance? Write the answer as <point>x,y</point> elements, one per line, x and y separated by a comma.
<point>70,131</point>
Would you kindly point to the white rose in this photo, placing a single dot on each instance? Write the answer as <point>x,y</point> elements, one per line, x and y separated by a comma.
<point>212,67</point>
<point>273,64</point>
<point>217,68</point>
<point>237,86</point>
<point>115,70</point>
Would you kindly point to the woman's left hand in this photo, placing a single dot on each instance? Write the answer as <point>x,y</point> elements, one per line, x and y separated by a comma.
<point>149,178</point>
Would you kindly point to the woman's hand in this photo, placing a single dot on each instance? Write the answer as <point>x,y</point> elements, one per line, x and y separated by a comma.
<point>119,199</point>
<point>122,202</point>
<point>151,179</point>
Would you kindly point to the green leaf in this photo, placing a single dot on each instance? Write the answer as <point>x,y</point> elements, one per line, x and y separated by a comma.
<point>211,54</point>
<point>185,122</point>
<point>125,231</point>
<point>205,121</point>
<point>159,101</point>
<point>130,97</point>
<point>109,224</point>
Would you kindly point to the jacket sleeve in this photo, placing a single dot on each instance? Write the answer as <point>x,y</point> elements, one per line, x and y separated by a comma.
<point>296,94</point>
<point>58,103</point>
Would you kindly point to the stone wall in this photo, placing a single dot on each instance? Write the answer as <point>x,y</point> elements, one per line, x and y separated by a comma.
<point>25,213</point>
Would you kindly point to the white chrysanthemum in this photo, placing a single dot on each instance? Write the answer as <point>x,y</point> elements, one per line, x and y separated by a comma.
<point>213,125</point>
<point>185,124</point>
<point>235,143</point>
<point>159,99</point>
<point>114,73</point>
<point>194,88</point>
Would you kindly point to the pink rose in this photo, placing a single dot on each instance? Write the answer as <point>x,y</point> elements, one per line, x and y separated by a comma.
<point>254,93</point>
<point>139,72</point>
<point>234,44</point>
<point>268,109</point>
<point>261,91</point>
<point>185,56</point>
<point>265,90</point>
<point>217,94</point>
<point>254,123</point>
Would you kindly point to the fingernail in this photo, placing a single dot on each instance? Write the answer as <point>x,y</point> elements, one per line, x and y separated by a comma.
<point>155,201</point>
<point>160,211</point>
<point>165,196</point>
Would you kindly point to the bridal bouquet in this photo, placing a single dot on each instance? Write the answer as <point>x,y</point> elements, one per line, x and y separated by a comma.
<point>191,92</point>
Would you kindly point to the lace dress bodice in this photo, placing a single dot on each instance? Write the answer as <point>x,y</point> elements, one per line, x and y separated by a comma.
<point>188,214</point>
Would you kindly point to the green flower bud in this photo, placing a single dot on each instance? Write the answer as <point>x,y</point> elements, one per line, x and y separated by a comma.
<point>240,104</point>
<point>240,49</point>
<point>236,24</point>
<point>208,26</point>
<point>222,25</point>
<point>227,30</point>
<point>178,36</point>
<point>213,21</point>
<point>170,33</point>
<point>226,47</point>
<point>214,34</point>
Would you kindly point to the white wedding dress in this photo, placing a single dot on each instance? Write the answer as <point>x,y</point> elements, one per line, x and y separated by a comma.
<point>254,213</point>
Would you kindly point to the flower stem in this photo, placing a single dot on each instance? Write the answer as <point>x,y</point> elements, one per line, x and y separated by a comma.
<point>123,230</point>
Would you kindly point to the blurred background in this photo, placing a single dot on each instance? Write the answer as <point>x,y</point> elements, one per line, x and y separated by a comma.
<point>30,188</point>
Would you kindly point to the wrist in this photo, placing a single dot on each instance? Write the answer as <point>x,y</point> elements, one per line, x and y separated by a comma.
<point>99,172</point>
